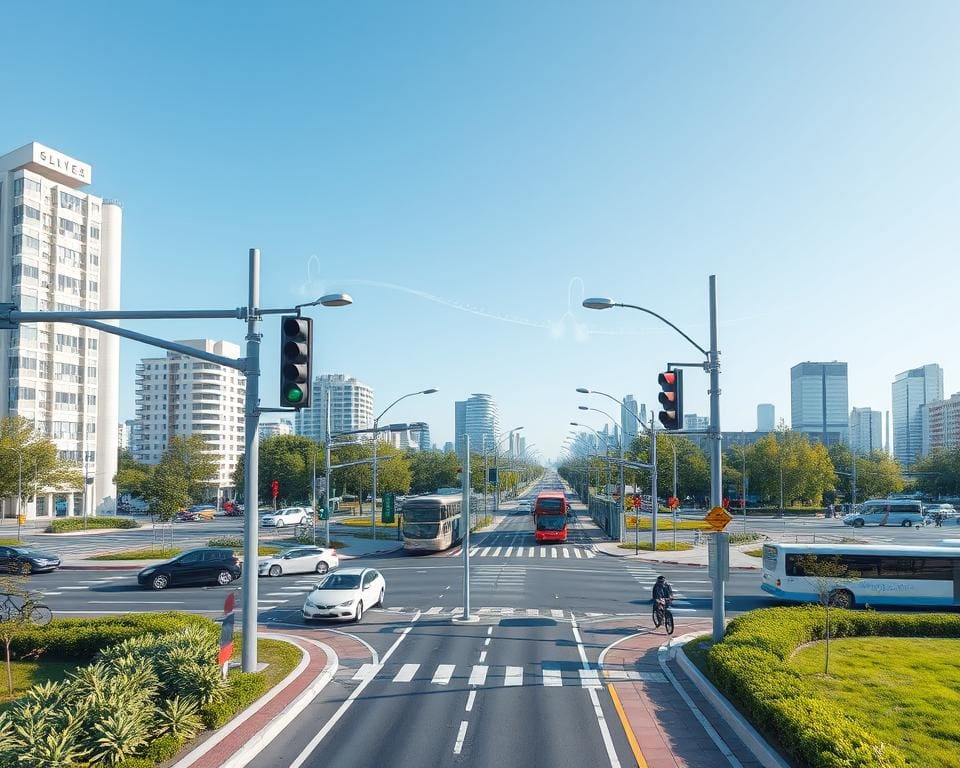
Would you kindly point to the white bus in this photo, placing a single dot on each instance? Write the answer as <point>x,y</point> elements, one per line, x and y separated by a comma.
<point>431,523</point>
<point>879,575</point>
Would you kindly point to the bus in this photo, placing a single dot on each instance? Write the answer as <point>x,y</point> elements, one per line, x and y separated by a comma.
<point>431,523</point>
<point>550,517</point>
<point>878,575</point>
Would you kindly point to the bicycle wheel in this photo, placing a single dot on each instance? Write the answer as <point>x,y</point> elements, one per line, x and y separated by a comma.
<point>668,622</point>
<point>40,615</point>
<point>657,617</point>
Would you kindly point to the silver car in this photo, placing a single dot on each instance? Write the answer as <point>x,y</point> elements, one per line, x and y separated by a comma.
<point>345,595</point>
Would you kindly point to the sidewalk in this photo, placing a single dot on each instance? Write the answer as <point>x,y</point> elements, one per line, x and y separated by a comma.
<point>668,724</point>
<point>695,556</point>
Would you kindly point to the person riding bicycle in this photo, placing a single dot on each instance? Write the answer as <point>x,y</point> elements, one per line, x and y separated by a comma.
<point>662,590</point>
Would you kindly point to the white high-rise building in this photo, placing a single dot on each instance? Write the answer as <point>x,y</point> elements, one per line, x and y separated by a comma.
<point>866,430</point>
<point>179,396</point>
<point>766,417</point>
<point>60,250</point>
<point>629,415</point>
<point>275,428</point>
<point>351,406</point>
<point>819,401</point>
<point>696,423</point>
<point>481,422</point>
<point>125,435</point>
<point>912,390</point>
<point>941,424</point>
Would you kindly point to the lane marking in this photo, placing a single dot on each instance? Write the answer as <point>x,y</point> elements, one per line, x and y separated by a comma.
<point>489,630</point>
<point>513,676</point>
<point>366,672</point>
<point>553,554</point>
<point>590,678</point>
<point>470,700</point>
<point>433,611</point>
<point>406,673</point>
<point>335,718</point>
<point>543,553</point>
<point>443,674</point>
<point>128,602</point>
<point>595,700</point>
<point>510,549</point>
<point>479,674</point>
<point>484,553</point>
<point>556,613</point>
<point>461,735</point>
<point>631,738</point>
<point>552,676</point>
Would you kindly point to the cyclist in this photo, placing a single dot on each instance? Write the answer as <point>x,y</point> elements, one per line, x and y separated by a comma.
<point>662,590</point>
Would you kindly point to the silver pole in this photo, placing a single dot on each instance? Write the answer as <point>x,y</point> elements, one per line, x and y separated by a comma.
<point>373,512</point>
<point>313,495</point>
<point>251,473</point>
<point>466,521</point>
<point>716,479</point>
<point>673,445</point>
<point>20,487</point>
<point>623,496</point>
<point>328,471</point>
<point>653,480</point>
<point>483,449</point>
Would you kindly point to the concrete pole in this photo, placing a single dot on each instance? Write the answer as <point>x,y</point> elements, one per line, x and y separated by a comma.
<point>716,477</point>
<point>251,475</point>
<point>466,534</point>
<point>623,496</point>
<point>327,473</point>
<point>373,503</point>
<point>653,482</point>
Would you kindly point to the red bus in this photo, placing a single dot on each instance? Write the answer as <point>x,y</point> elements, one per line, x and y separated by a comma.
<point>550,517</point>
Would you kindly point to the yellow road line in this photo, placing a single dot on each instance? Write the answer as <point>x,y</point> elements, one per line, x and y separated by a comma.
<point>638,755</point>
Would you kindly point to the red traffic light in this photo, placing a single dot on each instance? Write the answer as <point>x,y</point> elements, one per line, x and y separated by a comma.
<point>275,488</point>
<point>671,398</point>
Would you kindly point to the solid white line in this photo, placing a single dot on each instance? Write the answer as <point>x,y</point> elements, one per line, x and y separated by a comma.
<point>489,630</point>
<point>406,673</point>
<point>461,735</point>
<point>513,676</point>
<point>133,602</point>
<point>443,674</point>
<point>308,750</point>
<point>479,674</point>
<point>595,700</point>
<point>470,699</point>
<point>72,587</point>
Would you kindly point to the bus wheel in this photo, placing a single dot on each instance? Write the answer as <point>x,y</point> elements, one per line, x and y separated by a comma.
<point>858,523</point>
<point>906,523</point>
<point>841,598</point>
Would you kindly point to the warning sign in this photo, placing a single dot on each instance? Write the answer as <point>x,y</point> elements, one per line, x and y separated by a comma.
<point>718,518</point>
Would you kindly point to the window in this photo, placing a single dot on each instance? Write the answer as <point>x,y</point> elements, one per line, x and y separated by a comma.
<point>25,243</point>
<point>65,401</point>
<point>23,362</point>
<point>68,257</point>
<point>69,228</point>
<point>91,399</point>
<point>68,372</point>
<point>93,286</point>
<point>21,271</point>
<point>71,202</point>
<point>91,371</point>
<point>91,343</point>
<point>21,393</point>
<point>25,185</point>
<point>94,232</point>
<point>67,343</point>
<point>68,284</point>
<point>31,214</point>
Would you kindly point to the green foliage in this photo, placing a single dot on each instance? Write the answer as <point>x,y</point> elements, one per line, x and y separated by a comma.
<point>163,748</point>
<point>132,476</point>
<point>878,475</point>
<point>662,546</point>
<point>430,470</point>
<point>26,455</point>
<point>750,667</point>
<point>183,474</point>
<point>243,688</point>
<point>149,553</point>
<point>71,524</point>
<point>939,472</point>
<point>288,459</point>
<point>805,467</point>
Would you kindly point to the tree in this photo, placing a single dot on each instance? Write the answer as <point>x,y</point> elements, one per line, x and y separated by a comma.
<point>789,460</point>
<point>132,476</point>
<point>16,615</point>
<point>430,470</point>
<point>288,459</point>
<point>167,491</point>
<point>878,474</point>
<point>938,473</point>
<point>693,469</point>
<point>183,474</point>
<point>825,572</point>
<point>28,457</point>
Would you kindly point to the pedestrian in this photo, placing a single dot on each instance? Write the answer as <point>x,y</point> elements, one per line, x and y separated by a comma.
<point>938,518</point>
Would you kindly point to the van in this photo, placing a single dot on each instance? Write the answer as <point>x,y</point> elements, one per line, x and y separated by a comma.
<point>904,512</point>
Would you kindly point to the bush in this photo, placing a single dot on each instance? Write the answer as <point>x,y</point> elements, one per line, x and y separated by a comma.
<point>69,524</point>
<point>749,667</point>
<point>162,749</point>
<point>234,542</point>
<point>243,688</point>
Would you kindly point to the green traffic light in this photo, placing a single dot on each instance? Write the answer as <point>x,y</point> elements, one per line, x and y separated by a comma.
<point>294,395</point>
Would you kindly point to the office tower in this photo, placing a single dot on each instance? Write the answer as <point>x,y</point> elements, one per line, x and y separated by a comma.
<point>60,251</point>
<point>866,428</point>
<point>766,417</point>
<point>696,423</point>
<point>448,447</point>
<point>522,445</point>
<point>459,422</point>
<point>941,424</point>
<point>819,401</point>
<point>628,418</point>
<point>912,390</point>
<point>180,396</point>
<point>480,421</point>
<point>423,439</point>
<point>351,407</point>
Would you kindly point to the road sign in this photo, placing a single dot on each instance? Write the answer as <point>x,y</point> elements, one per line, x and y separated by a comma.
<point>718,518</point>
<point>322,514</point>
<point>386,510</point>
<point>226,631</point>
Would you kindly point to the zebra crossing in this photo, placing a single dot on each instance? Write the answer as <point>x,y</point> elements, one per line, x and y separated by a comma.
<point>545,674</point>
<point>686,587</point>
<point>569,552</point>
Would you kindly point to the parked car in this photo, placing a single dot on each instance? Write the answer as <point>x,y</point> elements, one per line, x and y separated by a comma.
<point>287,516</point>
<point>206,565</point>
<point>905,512</point>
<point>345,594</point>
<point>300,560</point>
<point>25,559</point>
<point>197,512</point>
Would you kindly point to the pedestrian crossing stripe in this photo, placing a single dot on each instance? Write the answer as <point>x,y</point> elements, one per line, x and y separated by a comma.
<point>551,675</point>
<point>579,552</point>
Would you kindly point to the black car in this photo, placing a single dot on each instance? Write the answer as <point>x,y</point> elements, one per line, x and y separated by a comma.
<point>25,559</point>
<point>206,565</point>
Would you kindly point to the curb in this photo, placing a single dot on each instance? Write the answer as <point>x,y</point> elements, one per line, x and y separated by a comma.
<point>102,567</point>
<point>676,562</point>
<point>766,755</point>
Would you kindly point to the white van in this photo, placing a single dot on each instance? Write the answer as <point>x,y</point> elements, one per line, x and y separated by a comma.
<point>905,512</point>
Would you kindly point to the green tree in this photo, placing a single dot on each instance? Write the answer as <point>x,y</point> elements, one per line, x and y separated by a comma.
<point>132,476</point>
<point>288,459</point>
<point>825,572</point>
<point>938,473</point>
<point>430,470</point>
<point>393,470</point>
<point>38,466</point>
<point>878,474</point>
<point>167,491</point>
<point>693,469</point>
<point>788,457</point>
<point>183,475</point>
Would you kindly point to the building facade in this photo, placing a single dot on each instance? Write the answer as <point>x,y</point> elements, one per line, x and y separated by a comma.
<point>941,424</point>
<point>866,430</point>
<point>423,438</point>
<point>912,390</point>
<point>459,422</point>
<point>696,423</point>
<point>819,402</point>
<point>180,396</point>
<point>766,417</point>
<point>629,415</point>
<point>60,251</point>
<point>275,428</point>
<point>480,421</point>
<point>351,406</point>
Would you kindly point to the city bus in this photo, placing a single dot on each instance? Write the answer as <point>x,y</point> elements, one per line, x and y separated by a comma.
<point>877,575</point>
<point>431,523</point>
<point>550,517</point>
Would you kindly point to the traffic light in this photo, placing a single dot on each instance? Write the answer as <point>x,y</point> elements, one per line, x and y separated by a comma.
<point>671,398</point>
<point>295,364</point>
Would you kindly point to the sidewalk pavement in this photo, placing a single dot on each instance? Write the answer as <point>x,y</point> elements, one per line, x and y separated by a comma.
<point>695,556</point>
<point>668,723</point>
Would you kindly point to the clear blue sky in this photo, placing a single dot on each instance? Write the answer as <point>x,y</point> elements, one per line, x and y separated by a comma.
<point>468,171</point>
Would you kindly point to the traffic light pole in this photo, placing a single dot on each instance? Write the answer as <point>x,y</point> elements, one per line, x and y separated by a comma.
<point>716,490</point>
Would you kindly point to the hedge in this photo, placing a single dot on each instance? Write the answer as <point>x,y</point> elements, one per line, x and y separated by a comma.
<point>750,667</point>
<point>70,524</point>
<point>82,639</point>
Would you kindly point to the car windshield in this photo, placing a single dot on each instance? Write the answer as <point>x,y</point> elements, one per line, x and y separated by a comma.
<point>340,581</point>
<point>551,522</point>
<point>299,553</point>
<point>26,550</point>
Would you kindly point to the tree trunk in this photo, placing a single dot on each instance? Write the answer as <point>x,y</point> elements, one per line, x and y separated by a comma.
<point>826,656</point>
<point>9,669</point>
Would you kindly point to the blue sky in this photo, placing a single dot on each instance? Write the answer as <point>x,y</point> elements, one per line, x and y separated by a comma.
<point>469,171</point>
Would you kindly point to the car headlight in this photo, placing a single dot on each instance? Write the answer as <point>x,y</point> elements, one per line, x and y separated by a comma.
<point>348,603</point>
<point>147,571</point>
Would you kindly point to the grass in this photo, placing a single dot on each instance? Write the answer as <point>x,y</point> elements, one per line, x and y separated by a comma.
<point>364,522</point>
<point>29,673</point>
<point>904,690</point>
<point>153,553</point>
<point>11,543</point>
<point>697,649</point>
<point>662,546</point>
<point>755,552</point>
<point>281,658</point>
<point>665,523</point>
<point>481,522</point>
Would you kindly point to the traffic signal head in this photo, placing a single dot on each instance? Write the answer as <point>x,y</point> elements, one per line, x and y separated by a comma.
<point>671,398</point>
<point>295,364</point>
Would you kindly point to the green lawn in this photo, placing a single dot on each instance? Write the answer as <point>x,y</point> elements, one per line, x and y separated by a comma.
<point>904,690</point>
<point>757,552</point>
<point>665,523</point>
<point>151,553</point>
<point>30,673</point>
<point>662,546</point>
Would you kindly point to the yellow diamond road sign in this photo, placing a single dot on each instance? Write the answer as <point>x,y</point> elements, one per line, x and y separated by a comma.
<point>717,518</point>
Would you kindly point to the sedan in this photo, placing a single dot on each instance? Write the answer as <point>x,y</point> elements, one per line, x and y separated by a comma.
<point>24,559</point>
<point>523,506</point>
<point>282,517</point>
<point>345,594</point>
<point>206,565</point>
<point>300,560</point>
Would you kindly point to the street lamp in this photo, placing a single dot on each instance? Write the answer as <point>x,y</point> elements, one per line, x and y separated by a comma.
<point>376,424</point>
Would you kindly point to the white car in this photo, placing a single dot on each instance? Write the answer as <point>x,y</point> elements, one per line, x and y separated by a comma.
<point>345,594</point>
<point>523,506</point>
<point>282,517</point>
<point>299,560</point>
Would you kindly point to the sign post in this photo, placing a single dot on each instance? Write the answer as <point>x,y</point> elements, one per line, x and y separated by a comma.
<point>387,509</point>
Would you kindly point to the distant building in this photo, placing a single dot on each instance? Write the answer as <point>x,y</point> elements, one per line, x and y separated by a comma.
<point>477,417</point>
<point>912,390</point>
<point>522,445</point>
<point>423,438</point>
<point>629,414</point>
<point>351,406</point>
<point>941,424</point>
<point>448,447</point>
<point>125,435</point>
<point>766,417</point>
<point>866,430</point>
<point>696,423</point>
<point>819,404</point>
<point>275,428</point>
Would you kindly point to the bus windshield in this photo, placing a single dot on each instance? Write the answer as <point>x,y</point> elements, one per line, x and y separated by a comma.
<point>420,530</point>
<point>549,505</point>
<point>551,522</point>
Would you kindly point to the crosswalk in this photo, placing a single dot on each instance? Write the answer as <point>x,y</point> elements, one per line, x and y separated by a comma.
<point>541,552</point>
<point>545,674</point>
<point>685,588</point>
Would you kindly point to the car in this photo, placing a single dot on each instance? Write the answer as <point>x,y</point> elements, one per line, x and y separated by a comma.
<point>299,560</point>
<point>345,595</point>
<point>523,506</point>
<point>287,516</point>
<point>946,512</point>
<point>26,559</point>
<point>205,565</point>
<point>902,512</point>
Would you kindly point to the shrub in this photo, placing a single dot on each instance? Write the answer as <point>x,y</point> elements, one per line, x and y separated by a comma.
<point>70,524</point>
<point>162,749</point>
<point>243,688</point>
<point>234,542</point>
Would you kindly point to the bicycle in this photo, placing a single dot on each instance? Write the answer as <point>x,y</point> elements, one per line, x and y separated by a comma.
<point>33,611</point>
<point>663,615</point>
